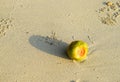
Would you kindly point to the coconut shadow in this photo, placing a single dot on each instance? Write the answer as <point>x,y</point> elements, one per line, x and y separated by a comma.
<point>49,45</point>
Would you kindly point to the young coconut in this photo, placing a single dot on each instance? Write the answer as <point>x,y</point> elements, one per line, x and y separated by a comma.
<point>77,50</point>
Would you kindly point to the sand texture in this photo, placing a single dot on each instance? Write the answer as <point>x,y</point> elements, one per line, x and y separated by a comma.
<point>34,35</point>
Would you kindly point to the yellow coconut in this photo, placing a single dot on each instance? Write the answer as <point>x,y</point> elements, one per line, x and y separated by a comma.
<point>77,50</point>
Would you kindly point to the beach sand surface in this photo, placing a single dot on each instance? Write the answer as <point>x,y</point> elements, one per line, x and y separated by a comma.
<point>34,35</point>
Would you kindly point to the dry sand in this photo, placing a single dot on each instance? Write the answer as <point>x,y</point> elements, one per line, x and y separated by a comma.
<point>34,35</point>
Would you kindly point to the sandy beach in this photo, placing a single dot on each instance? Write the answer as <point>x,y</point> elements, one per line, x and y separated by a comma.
<point>34,35</point>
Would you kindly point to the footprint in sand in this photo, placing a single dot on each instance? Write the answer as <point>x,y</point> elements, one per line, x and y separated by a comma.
<point>109,13</point>
<point>5,23</point>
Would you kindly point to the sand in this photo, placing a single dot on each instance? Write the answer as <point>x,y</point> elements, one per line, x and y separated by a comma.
<point>34,35</point>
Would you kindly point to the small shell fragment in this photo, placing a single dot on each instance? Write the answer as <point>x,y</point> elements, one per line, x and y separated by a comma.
<point>109,3</point>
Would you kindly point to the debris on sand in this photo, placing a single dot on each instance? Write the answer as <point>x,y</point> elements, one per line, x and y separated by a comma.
<point>109,13</point>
